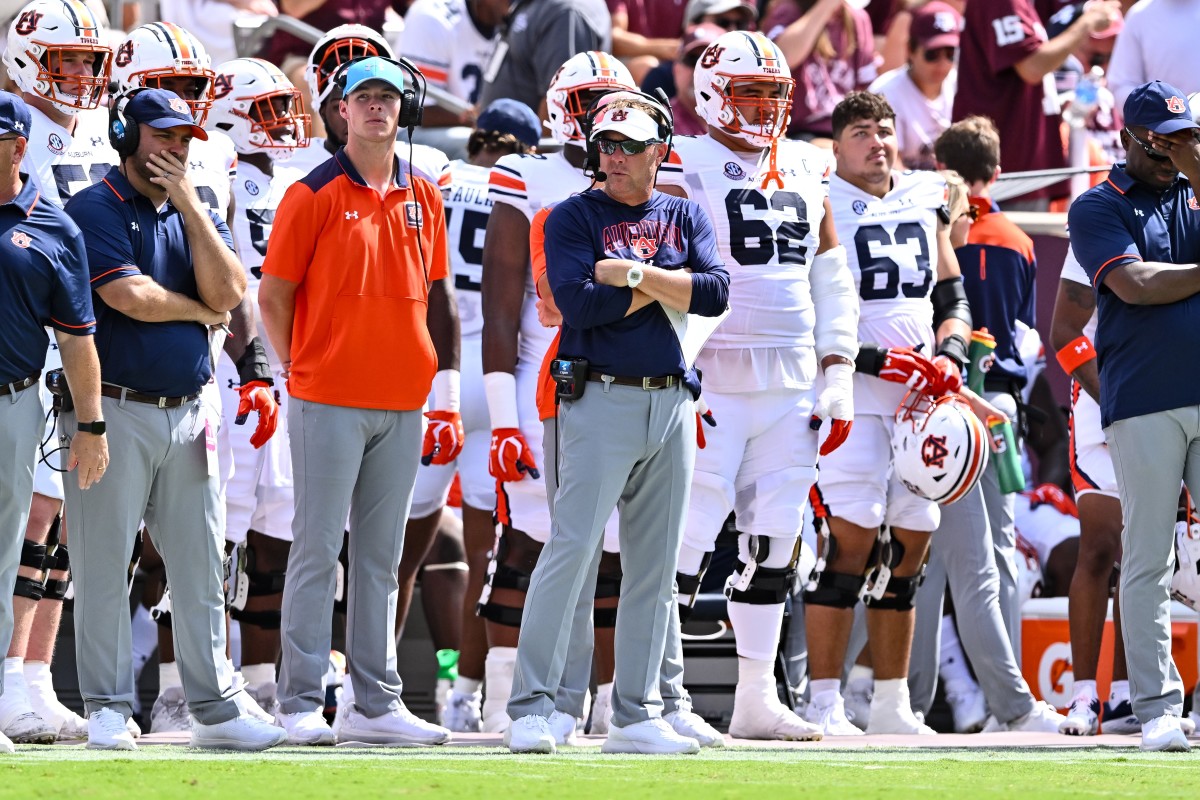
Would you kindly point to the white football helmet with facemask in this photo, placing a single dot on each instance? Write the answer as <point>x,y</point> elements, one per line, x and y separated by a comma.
<point>573,87</point>
<point>258,108</point>
<point>939,447</point>
<point>340,45</point>
<point>734,61</point>
<point>162,50</point>
<point>40,36</point>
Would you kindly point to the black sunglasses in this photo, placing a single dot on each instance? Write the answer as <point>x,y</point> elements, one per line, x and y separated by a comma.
<point>938,53</point>
<point>736,23</point>
<point>629,147</point>
<point>1153,155</point>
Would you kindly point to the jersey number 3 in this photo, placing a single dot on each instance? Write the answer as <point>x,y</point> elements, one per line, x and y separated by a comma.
<point>751,241</point>
<point>877,253</point>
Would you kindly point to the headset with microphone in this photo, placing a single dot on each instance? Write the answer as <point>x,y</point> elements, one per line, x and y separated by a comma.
<point>123,133</point>
<point>657,101</point>
<point>412,103</point>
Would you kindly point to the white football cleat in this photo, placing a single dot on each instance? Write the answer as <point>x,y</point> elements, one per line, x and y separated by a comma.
<point>45,703</point>
<point>498,670</point>
<point>530,734</point>
<point>602,710</point>
<point>18,721</point>
<point>857,703</point>
<point>106,731</point>
<point>397,727</point>
<point>1163,734</point>
<point>1119,718</point>
<point>650,737</point>
<point>306,728</point>
<point>1083,717</point>
<point>6,745</point>
<point>462,712</point>
<point>969,710</point>
<point>693,726</point>
<point>244,732</point>
<point>758,714</point>
<point>831,720</point>
<point>266,701</point>
<point>896,719</point>
<point>1042,719</point>
<point>170,712</point>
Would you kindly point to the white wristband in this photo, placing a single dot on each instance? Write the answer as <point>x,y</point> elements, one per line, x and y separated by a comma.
<point>501,390</point>
<point>446,394</point>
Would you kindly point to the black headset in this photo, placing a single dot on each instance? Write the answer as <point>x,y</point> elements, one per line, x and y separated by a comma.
<point>123,133</point>
<point>412,103</point>
<point>657,101</point>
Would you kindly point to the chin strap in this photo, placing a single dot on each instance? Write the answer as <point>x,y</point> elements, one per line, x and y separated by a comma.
<point>773,175</point>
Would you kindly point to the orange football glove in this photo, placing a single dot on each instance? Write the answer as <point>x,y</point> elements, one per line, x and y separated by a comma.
<point>257,396</point>
<point>510,458</point>
<point>949,376</point>
<point>443,437</point>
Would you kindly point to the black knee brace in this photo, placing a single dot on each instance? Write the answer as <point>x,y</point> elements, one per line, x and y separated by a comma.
<point>888,591</point>
<point>247,581</point>
<point>33,556</point>
<point>826,587</point>
<point>58,589</point>
<point>688,586</point>
<point>502,576</point>
<point>757,585</point>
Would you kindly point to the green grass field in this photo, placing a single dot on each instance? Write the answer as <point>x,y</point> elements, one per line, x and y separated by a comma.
<point>159,773</point>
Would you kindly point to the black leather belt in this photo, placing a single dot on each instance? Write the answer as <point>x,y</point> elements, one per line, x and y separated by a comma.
<point>665,382</point>
<point>108,390</point>
<point>19,386</point>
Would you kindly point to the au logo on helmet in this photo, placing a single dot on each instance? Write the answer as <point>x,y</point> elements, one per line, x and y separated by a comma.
<point>28,22</point>
<point>222,85</point>
<point>711,56</point>
<point>124,54</point>
<point>934,452</point>
<point>1176,105</point>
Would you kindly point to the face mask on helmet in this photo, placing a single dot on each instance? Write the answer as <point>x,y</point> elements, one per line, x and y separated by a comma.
<point>743,87</point>
<point>337,47</point>
<point>54,51</point>
<point>577,83</point>
<point>939,447</point>
<point>258,108</point>
<point>162,55</point>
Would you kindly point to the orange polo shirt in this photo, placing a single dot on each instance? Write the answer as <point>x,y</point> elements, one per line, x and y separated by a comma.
<point>359,337</point>
<point>545,395</point>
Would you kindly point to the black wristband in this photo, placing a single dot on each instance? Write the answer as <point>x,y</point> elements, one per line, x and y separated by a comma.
<point>253,365</point>
<point>954,347</point>
<point>870,358</point>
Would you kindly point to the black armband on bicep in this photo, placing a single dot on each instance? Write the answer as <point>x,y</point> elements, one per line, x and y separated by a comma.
<point>253,365</point>
<point>870,358</point>
<point>954,347</point>
<point>949,300</point>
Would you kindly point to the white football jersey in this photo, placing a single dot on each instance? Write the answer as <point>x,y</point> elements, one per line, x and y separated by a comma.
<point>440,37</point>
<point>211,167</point>
<point>63,163</point>
<point>891,245</point>
<point>256,197</point>
<point>767,237</point>
<point>467,210</point>
<point>427,162</point>
<point>529,182</point>
<point>1073,271</point>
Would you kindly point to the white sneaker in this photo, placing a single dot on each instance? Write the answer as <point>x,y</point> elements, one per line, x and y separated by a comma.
<point>397,727</point>
<point>693,726</point>
<point>1042,719</point>
<point>18,721</point>
<point>563,727</point>
<point>306,728</point>
<point>602,710</point>
<point>969,710</point>
<point>243,732</point>
<point>462,713</point>
<point>134,729</point>
<point>857,702</point>
<point>1187,725</point>
<point>831,720</point>
<point>896,719</point>
<point>651,737</point>
<point>170,712</point>
<point>530,734</point>
<point>106,731</point>
<point>6,745</point>
<point>758,714</point>
<point>1163,734</point>
<point>1083,717</point>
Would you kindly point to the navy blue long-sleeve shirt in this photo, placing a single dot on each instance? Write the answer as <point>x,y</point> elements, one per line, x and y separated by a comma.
<point>667,232</point>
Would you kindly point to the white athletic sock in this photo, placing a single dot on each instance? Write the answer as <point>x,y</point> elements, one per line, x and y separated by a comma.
<point>755,674</point>
<point>690,559</point>
<point>952,660</point>
<point>467,685</point>
<point>825,692</point>
<point>37,672</point>
<point>1082,688</point>
<point>1118,692</point>
<point>168,677</point>
<point>258,674</point>
<point>891,693</point>
<point>14,676</point>
<point>756,629</point>
<point>860,678</point>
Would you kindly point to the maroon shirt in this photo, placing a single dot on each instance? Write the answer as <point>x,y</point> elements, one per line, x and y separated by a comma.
<point>687,122</point>
<point>329,16</point>
<point>655,19</point>
<point>821,84</point>
<point>998,35</point>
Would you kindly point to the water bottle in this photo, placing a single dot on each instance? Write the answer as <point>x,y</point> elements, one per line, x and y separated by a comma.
<point>1086,99</point>
<point>980,358</point>
<point>1008,460</point>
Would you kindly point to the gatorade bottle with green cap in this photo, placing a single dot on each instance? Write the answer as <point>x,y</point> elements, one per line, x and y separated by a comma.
<point>979,358</point>
<point>1008,460</point>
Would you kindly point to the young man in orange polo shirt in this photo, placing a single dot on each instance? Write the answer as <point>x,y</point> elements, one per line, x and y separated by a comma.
<point>357,263</point>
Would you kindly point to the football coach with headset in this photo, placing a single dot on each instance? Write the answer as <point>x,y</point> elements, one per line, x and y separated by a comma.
<point>1137,235</point>
<point>626,264</point>
<point>43,282</point>
<point>163,271</point>
<point>357,301</point>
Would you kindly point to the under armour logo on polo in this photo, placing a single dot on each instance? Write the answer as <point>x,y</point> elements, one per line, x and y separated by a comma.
<point>351,215</point>
<point>133,226</point>
<point>1139,212</point>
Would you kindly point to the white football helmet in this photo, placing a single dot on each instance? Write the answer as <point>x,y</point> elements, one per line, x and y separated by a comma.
<point>341,44</point>
<point>573,87</point>
<point>1194,105</point>
<point>38,38</point>
<point>258,108</point>
<point>733,61</point>
<point>1031,581</point>
<point>1185,583</point>
<point>939,447</point>
<point>159,50</point>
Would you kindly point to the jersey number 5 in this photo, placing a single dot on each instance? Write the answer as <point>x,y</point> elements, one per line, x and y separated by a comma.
<point>880,272</point>
<point>751,241</point>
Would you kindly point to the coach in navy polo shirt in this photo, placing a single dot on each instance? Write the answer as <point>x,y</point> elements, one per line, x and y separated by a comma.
<point>616,260</point>
<point>43,283</point>
<point>163,270</point>
<point>1138,237</point>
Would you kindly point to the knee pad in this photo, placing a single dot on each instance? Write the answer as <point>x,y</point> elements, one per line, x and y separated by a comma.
<point>885,590</point>
<point>246,581</point>
<point>826,587</point>
<point>760,585</point>
<point>688,586</point>
<point>33,556</point>
<point>507,570</point>
<point>59,590</point>
<point>161,611</point>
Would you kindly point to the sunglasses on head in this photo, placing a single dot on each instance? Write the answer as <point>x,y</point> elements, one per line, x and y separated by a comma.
<point>629,147</point>
<point>938,54</point>
<point>1153,155</point>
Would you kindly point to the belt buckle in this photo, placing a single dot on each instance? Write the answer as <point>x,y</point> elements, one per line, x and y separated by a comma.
<point>162,402</point>
<point>646,384</point>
